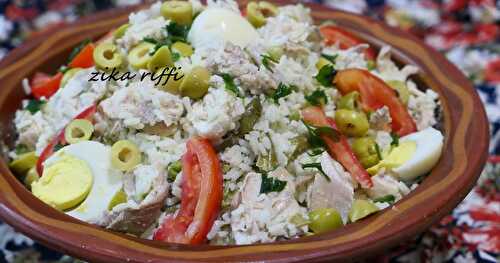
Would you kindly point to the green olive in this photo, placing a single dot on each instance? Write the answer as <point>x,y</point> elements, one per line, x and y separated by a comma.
<point>107,56</point>
<point>180,12</point>
<point>78,130</point>
<point>276,52</point>
<point>173,170</point>
<point>31,177</point>
<point>161,58</point>
<point>182,48</point>
<point>348,101</point>
<point>140,56</point>
<point>365,149</point>
<point>351,122</point>
<point>171,85</point>
<point>402,90</point>
<point>119,198</point>
<point>195,84</point>
<point>257,13</point>
<point>69,75</point>
<point>119,32</point>
<point>324,219</point>
<point>250,117</point>
<point>360,209</point>
<point>322,62</point>
<point>125,155</point>
<point>23,163</point>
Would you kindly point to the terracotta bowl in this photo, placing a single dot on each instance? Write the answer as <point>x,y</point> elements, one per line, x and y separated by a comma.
<point>465,151</point>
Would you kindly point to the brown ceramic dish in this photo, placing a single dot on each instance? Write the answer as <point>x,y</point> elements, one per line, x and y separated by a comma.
<point>465,127</point>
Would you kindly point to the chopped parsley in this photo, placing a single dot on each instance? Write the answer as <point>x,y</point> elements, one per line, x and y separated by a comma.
<point>158,44</point>
<point>77,49</point>
<point>176,56</point>
<point>318,167</point>
<point>314,135</point>
<point>330,57</point>
<point>315,151</point>
<point>21,148</point>
<point>173,170</point>
<point>317,98</point>
<point>385,199</point>
<point>281,92</point>
<point>270,184</point>
<point>325,75</point>
<point>395,139</point>
<point>177,32</point>
<point>230,85</point>
<point>34,106</point>
<point>267,61</point>
<point>379,154</point>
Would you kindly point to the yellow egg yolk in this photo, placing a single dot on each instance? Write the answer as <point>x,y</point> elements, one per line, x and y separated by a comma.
<point>64,183</point>
<point>396,157</point>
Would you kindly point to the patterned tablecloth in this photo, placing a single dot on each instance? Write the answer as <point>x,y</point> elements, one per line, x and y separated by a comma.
<point>466,31</point>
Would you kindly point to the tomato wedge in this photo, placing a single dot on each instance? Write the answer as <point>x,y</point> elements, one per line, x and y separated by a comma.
<point>339,150</point>
<point>201,196</point>
<point>334,34</point>
<point>84,59</point>
<point>88,113</point>
<point>374,95</point>
<point>492,72</point>
<point>43,85</point>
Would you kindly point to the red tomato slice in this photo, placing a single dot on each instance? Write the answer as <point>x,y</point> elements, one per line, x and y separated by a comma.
<point>84,59</point>
<point>59,139</point>
<point>43,85</point>
<point>334,34</point>
<point>375,94</point>
<point>492,72</point>
<point>339,150</point>
<point>201,196</point>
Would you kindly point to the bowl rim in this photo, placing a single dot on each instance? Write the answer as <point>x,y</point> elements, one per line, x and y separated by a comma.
<point>464,119</point>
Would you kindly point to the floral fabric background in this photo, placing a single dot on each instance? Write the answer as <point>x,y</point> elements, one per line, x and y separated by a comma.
<point>466,31</point>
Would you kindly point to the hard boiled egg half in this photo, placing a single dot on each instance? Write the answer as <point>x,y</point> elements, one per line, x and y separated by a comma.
<point>416,154</point>
<point>221,25</point>
<point>79,179</point>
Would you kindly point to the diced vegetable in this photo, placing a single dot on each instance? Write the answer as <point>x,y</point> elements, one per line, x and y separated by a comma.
<point>43,85</point>
<point>125,155</point>
<point>324,219</point>
<point>84,59</point>
<point>360,209</point>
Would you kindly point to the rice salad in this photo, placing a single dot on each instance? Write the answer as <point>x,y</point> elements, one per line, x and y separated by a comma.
<point>268,127</point>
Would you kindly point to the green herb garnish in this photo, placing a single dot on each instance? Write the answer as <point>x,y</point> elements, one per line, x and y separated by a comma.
<point>177,32</point>
<point>330,57</point>
<point>176,56</point>
<point>77,49</point>
<point>58,147</point>
<point>173,170</point>
<point>315,152</point>
<point>34,106</point>
<point>385,199</point>
<point>317,98</point>
<point>395,139</point>
<point>230,85</point>
<point>270,184</point>
<point>325,75</point>
<point>314,135</point>
<point>379,154</point>
<point>21,149</point>
<point>318,167</point>
<point>281,92</point>
<point>267,61</point>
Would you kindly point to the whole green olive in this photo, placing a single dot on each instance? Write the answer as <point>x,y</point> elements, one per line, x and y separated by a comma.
<point>348,101</point>
<point>324,219</point>
<point>352,123</point>
<point>107,56</point>
<point>180,12</point>
<point>257,13</point>
<point>140,56</point>
<point>182,48</point>
<point>161,58</point>
<point>402,90</point>
<point>195,84</point>
<point>360,209</point>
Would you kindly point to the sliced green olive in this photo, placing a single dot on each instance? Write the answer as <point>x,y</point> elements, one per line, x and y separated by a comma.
<point>119,32</point>
<point>276,52</point>
<point>348,101</point>
<point>107,56</point>
<point>23,163</point>
<point>161,58</point>
<point>173,170</point>
<point>352,123</point>
<point>365,149</point>
<point>140,56</point>
<point>180,12</point>
<point>119,198</point>
<point>324,219</point>
<point>250,117</point>
<point>195,83</point>
<point>172,85</point>
<point>78,130</point>
<point>322,62</point>
<point>257,13</point>
<point>31,177</point>
<point>402,90</point>
<point>125,155</point>
<point>182,48</point>
<point>69,75</point>
<point>360,209</point>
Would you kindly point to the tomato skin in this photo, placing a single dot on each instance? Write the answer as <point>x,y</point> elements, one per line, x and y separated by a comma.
<point>339,150</point>
<point>88,113</point>
<point>85,58</point>
<point>43,85</point>
<point>334,34</point>
<point>374,95</point>
<point>492,72</point>
<point>201,199</point>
